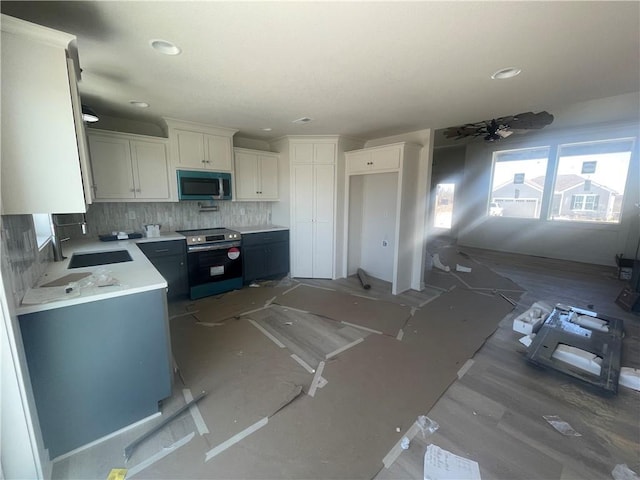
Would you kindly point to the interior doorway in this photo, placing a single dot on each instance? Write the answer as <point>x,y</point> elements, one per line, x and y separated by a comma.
<point>443,207</point>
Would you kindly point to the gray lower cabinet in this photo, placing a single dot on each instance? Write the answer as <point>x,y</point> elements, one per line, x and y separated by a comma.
<point>97,367</point>
<point>170,259</point>
<point>266,255</point>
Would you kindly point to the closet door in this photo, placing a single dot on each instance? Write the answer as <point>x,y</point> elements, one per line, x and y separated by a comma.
<point>323,187</point>
<point>303,209</point>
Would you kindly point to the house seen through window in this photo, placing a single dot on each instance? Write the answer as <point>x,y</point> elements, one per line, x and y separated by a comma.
<point>588,182</point>
<point>518,182</point>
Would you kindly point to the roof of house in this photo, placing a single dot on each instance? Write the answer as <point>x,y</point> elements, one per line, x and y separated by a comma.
<point>566,182</point>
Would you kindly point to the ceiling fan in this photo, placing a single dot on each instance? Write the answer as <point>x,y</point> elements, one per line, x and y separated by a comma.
<point>499,128</point>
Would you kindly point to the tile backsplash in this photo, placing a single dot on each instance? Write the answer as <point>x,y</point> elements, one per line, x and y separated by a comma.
<point>22,262</point>
<point>104,218</point>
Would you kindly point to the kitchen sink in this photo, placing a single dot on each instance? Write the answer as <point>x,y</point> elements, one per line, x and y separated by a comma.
<point>79,260</point>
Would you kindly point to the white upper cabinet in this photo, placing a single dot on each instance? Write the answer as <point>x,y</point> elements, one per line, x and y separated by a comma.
<point>374,160</point>
<point>199,150</point>
<point>324,153</point>
<point>201,147</point>
<point>128,167</point>
<point>40,169</point>
<point>256,175</point>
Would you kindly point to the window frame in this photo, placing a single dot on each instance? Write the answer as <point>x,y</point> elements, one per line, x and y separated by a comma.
<point>43,228</point>
<point>554,143</point>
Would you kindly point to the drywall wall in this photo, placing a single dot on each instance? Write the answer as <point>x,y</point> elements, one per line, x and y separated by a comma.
<point>251,143</point>
<point>589,243</point>
<point>377,239</point>
<point>125,125</point>
<point>281,211</point>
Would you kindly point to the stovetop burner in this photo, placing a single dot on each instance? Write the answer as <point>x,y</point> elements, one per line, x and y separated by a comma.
<point>210,235</point>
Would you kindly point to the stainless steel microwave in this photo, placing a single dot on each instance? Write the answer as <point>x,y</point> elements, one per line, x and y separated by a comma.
<point>200,185</point>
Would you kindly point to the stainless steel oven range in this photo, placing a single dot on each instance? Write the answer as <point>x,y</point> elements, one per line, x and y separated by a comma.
<point>214,261</point>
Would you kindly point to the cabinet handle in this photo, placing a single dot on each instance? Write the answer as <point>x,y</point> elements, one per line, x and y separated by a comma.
<point>138,190</point>
<point>204,161</point>
<point>132,189</point>
<point>162,250</point>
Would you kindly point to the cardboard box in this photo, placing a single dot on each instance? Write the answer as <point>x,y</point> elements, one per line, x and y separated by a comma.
<point>529,322</point>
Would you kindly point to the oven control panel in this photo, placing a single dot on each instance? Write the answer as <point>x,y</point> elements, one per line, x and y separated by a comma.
<point>210,236</point>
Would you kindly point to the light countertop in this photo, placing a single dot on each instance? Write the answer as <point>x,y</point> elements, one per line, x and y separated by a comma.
<point>136,276</point>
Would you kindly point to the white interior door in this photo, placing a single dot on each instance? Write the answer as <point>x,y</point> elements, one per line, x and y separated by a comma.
<point>323,221</point>
<point>302,197</point>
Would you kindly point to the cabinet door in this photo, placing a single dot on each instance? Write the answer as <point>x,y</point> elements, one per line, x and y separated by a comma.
<point>277,259</point>
<point>151,170</point>
<point>253,263</point>
<point>40,168</point>
<point>191,151</point>
<point>358,162</point>
<point>302,203</point>
<point>111,166</point>
<point>323,221</point>
<point>246,176</point>
<point>324,153</point>
<point>174,270</point>
<point>386,159</point>
<point>218,154</point>
<point>302,152</point>
<point>268,169</point>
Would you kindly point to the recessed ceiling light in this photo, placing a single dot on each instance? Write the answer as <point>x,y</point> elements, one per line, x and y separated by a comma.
<point>139,104</point>
<point>166,47</point>
<point>88,115</point>
<point>505,73</point>
<point>266,129</point>
<point>303,120</point>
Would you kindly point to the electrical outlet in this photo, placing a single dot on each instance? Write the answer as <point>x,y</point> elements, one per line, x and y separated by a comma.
<point>131,214</point>
<point>385,243</point>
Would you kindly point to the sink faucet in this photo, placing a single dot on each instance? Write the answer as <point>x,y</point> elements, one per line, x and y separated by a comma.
<point>58,256</point>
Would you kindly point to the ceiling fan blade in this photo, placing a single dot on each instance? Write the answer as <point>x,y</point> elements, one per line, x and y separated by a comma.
<point>531,121</point>
<point>501,127</point>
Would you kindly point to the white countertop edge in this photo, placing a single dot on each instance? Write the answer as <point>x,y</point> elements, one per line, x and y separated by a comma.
<point>138,275</point>
<point>89,295</point>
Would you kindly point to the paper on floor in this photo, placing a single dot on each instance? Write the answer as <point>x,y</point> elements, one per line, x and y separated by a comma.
<point>561,426</point>
<point>630,378</point>
<point>440,464</point>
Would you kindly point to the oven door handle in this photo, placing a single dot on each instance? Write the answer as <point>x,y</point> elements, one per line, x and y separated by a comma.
<point>215,246</point>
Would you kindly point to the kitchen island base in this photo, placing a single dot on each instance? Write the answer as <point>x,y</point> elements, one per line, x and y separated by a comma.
<point>97,367</point>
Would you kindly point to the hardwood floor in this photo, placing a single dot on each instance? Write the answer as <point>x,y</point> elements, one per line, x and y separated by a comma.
<point>494,413</point>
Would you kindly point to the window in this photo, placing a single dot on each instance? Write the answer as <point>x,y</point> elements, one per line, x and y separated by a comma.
<point>584,202</point>
<point>518,182</point>
<point>590,181</point>
<point>42,225</point>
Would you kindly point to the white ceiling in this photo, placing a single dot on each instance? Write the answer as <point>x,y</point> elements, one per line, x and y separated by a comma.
<point>365,69</point>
